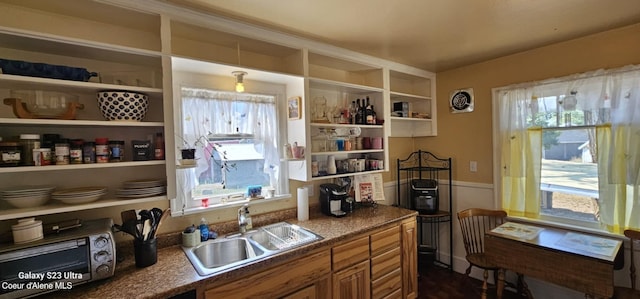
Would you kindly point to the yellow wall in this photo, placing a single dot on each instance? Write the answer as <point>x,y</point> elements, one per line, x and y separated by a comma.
<point>468,136</point>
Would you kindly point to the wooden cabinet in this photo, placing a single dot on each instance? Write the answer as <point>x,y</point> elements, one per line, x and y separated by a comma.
<point>409,259</point>
<point>306,277</point>
<point>374,265</point>
<point>305,293</point>
<point>352,282</point>
<point>386,253</point>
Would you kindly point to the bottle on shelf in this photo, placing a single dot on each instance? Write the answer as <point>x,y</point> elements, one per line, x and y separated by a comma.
<point>353,110</point>
<point>374,117</point>
<point>158,152</point>
<point>369,113</point>
<point>359,113</point>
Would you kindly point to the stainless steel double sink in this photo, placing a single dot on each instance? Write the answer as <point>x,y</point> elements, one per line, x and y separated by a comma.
<point>236,250</point>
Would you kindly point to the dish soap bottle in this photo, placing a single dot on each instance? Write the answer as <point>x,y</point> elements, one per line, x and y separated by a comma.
<point>204,230</point>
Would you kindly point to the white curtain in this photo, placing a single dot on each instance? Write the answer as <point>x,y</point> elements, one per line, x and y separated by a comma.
<point>610,100</point>
<point>208,112</point>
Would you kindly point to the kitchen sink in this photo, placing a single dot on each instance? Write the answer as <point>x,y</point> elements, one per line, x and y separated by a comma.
<point>225,252</point>
<point>240,249</point>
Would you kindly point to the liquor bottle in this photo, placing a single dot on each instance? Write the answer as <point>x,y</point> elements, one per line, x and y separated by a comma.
<point>368,113</point>
<point>359,113</point>
<point>158,152</point>
<point>374,117</point>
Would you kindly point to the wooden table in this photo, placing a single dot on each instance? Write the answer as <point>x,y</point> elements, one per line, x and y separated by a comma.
<point>578,261</point>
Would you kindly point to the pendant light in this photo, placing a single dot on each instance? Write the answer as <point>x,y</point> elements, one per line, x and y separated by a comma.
<point>239,80</point>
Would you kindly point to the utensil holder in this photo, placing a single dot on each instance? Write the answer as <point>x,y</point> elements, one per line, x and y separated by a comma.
<point>146,252</point>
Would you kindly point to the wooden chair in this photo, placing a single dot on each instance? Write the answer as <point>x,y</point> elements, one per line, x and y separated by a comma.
<point>624,292</point>
<point>474,223</point>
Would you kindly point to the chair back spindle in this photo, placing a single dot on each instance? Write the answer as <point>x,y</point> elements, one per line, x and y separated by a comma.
<point>474,223</point>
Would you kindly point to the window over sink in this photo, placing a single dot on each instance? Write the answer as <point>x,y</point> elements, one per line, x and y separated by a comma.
<point>237,137</point>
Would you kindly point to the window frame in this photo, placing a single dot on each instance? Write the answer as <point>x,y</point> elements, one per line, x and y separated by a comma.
<point>182,78</point>
<point>593,226</point>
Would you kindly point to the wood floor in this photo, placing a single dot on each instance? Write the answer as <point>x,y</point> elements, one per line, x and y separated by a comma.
<point>435,282</point>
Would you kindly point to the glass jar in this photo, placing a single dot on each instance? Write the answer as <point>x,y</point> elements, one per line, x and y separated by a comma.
<point>75,151</point>
<point>116,148</point>
<point>62,151</point>
<point>102,150</point>
<point>89,152</point>
<point>29,143</point>
<point>10,153</point>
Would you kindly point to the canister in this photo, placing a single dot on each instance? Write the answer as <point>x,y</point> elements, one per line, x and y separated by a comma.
<point>27,230</point>
<point>29,143</point>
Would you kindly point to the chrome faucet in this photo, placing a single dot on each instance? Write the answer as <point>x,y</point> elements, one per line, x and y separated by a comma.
<point>242,218</point>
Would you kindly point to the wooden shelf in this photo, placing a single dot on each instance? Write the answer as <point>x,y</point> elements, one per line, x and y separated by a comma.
<point>79,123</point>
<point>340,175</point>
<point>26,82</point>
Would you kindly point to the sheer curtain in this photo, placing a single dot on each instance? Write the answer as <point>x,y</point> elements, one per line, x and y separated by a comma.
<point>610,101</point>
<point>208,112</point>
<point>521,153</point>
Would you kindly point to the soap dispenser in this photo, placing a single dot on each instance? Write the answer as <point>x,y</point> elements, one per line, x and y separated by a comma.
<point>204,229</point>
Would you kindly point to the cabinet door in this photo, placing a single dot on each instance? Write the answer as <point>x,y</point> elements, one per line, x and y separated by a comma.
<point>409,259</point>
<point>353,282</point>
<point>306,293</point>
<point>280,280</point>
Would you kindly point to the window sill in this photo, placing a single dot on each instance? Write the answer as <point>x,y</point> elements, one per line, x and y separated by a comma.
<point>545,222</point>
<point>220,206</point>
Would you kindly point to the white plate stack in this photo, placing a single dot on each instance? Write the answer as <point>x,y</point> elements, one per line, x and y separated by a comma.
<point>79,195</point>
<point>142,188</point>
<point>27,196</point>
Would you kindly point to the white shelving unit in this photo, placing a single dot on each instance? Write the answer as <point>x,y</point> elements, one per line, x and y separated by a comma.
<point>417,92</point>
<point>132,61</point>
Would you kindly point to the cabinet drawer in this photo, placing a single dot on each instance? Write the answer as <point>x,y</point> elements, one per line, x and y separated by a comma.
<point>385,240</point>
<point>397,294</point>
<point>387,284</point>
<point>350,253</point>
<point>385,263</point>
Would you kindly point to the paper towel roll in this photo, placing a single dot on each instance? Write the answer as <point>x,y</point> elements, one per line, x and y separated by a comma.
<point>303,204</point>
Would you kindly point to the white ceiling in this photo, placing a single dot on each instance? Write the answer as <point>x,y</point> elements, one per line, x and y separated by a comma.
<point>434,35</point>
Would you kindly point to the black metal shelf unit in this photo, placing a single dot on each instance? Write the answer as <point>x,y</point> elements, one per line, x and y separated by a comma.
<point>420,167</point>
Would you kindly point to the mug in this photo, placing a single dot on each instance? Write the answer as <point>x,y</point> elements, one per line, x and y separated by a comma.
<point>298,152</point>
<point>376,143</point>
<point>366,143</point>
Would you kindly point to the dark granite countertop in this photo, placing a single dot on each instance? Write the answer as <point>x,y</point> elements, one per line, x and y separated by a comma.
<point>173,273</point>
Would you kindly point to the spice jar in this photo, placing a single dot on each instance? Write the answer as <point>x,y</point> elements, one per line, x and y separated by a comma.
<point>10,153</point>
<point>89,152</point>
<point>29,143</point>
<point>116,147</point>
<point>62,152</point>
<point>75,151</point>
<point>102,150</point>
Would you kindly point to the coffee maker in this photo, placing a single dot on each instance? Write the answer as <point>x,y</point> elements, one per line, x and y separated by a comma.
<point>332,199</point>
